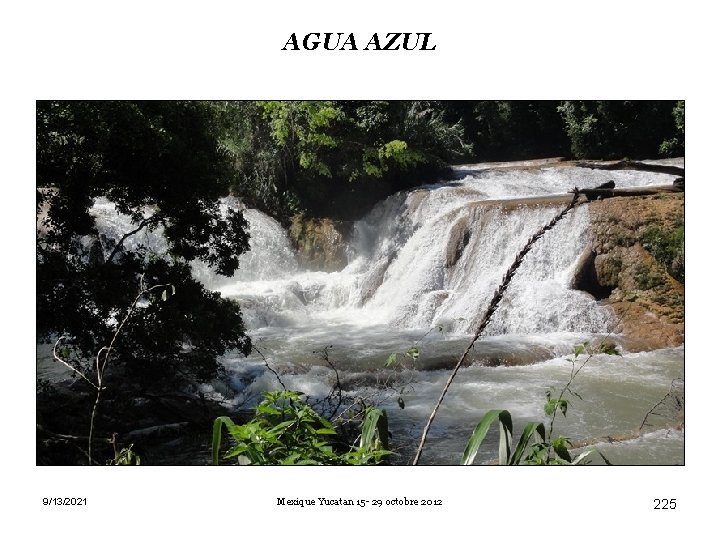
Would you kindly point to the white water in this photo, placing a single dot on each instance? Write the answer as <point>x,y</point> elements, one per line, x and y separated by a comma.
<point>397,275</point>
<point>398,290</point>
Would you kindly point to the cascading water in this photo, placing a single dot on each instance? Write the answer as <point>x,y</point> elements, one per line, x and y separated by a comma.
<point>434,256</point>
<point>422,268</point>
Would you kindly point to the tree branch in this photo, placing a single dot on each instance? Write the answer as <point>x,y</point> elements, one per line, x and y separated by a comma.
<point>154,219</point>
<point>673,392</point>
<point>69,437</point>
<point>627,164</point>
<point>267,365</point>
<point>102,366</point>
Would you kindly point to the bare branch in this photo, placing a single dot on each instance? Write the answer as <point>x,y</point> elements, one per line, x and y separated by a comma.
<point>672,393</point>
<point>107,349</point>
<point>624,165</point>
<point>68,437</point>
<point>268,366</point>
<point>326,357</point>
<point>72,368</point>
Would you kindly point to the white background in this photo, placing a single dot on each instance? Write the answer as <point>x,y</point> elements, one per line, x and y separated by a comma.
<point>232,50</point>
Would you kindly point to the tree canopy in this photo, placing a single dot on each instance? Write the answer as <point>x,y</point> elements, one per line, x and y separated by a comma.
<point>161,164</point>
<point>337,158</point>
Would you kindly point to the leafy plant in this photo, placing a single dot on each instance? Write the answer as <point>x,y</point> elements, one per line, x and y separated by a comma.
<point>407,361</point>
<point>125,456</point>
<point>287,431</point>
<point>413,353</point>
<point>541,452</point>
<point>676,144</point>
<point>616,129</point>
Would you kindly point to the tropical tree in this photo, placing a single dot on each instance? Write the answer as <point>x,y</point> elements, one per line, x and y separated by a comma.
<point>160,163</point>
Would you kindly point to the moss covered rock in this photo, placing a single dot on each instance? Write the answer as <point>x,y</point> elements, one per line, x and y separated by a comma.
<point>638,247</point>
<point>320,243</point>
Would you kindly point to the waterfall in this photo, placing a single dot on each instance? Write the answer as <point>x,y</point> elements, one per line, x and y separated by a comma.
<point>429,259</point>
<point>434,256</point>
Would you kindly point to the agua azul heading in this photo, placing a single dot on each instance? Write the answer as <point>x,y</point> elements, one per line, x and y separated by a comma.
<point>331,41</point>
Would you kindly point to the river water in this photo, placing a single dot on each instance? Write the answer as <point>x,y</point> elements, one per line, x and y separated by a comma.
<point>422,268</point>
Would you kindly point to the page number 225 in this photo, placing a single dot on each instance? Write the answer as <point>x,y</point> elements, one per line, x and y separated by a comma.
<point>665,504</point>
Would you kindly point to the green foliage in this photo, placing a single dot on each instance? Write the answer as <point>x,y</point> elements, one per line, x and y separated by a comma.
<point>603,347</point>
<point>542,451</point>
<point>478,436</point>
<point>337,158</point>
<point>305,127</point>
<point>647,277</point>
<point>391,360</point>
<point>413,353</point>
<point>676,145</point>
<point>510,130</point>
<point>375,432</point>
<point>617,129</point>
<point>286,431</point>
<point>125,456</point>
<point>679,116</point>
<point>554,403</point>
<point>610,348</point>
<point>354,153</point>
<point>262,171</point>
<point>377,162</point>
<point>667,245</point>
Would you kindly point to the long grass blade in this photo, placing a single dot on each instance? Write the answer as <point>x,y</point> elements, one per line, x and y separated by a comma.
<point>532,427</point>
<point>375,419</point>
<point>478,435</point>
<point>217,429</point>
<point>505,437</point>
<point>581,457</point>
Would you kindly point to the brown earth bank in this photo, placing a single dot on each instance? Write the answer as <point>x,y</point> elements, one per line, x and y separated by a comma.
<point>635,263</point>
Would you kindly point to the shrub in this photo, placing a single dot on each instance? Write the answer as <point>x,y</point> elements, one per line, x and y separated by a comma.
<point>668,248</point>
<point>287,431</point>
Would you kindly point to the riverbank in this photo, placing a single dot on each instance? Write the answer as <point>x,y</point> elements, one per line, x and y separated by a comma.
<point>638,252</point>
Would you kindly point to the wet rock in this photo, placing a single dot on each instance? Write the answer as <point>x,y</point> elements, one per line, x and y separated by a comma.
<point>586,277</point>
<point>458,241</point>
<point>320,243</point>
<point>606,267</point>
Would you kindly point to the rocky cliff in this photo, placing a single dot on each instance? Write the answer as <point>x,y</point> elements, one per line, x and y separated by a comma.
<point>636,264</point>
